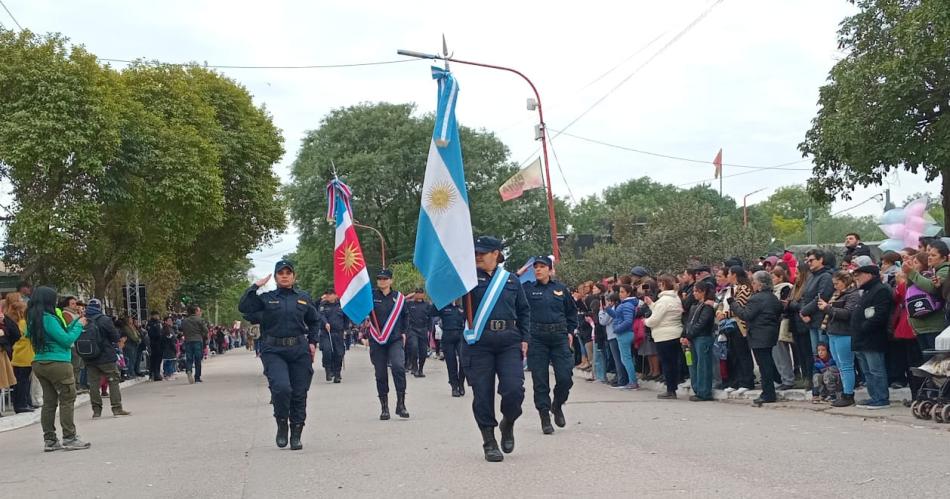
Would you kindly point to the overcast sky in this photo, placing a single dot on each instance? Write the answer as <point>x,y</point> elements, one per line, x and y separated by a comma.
<point>744,78</point>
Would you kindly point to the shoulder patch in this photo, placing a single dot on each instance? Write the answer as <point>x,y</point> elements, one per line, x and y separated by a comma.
<point>558,292</point>
<point>302,302</point>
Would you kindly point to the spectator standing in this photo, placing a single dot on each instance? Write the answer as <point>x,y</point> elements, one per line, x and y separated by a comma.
<point>698,337</point>
<point>819,287</point>
<point>853,247</point>
<point>52,340</point>
<point>741,369</point>
<point>781,353</point>
<point>837,322</point>
<point>195,329</point>
<point>763,314</point>
<point>666,325</point>
<point>869,324</point>
<point>800,330</point>
<point>105,364</point>
<point>155,356</point>
<point>623,315</point>
<point>131,348</point>
<point>22,358</point>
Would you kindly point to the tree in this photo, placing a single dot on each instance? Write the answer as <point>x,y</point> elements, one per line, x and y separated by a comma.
<point>885,103</point>
<point>380,151</point>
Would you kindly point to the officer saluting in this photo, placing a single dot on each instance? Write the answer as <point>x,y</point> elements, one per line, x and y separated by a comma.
<point>331,337</point>
<point>290,325</point>
<point>387,328</point>
<point>553,319</point>
<point>496,342</point>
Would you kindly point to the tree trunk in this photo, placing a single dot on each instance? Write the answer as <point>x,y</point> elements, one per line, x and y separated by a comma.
<point>945,192</point>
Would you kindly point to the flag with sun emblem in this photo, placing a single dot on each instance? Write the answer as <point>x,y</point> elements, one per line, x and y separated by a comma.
<point>444,245</point>
<point>350,278</point>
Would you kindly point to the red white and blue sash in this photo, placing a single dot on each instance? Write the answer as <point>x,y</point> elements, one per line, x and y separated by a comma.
<point>382,337</point>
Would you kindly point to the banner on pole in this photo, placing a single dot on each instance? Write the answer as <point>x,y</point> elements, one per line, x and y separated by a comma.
<point>526,179</point>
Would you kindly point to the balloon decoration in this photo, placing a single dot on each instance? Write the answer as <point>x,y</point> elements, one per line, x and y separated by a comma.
<point>905,226</point>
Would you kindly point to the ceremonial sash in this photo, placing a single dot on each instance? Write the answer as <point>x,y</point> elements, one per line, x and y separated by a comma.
<point>495,286</point>
<point>383,336</point>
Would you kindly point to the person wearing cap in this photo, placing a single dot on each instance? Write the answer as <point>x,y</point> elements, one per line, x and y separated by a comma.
<point>453,322</point>
<point>553,320</point>
<point>335,323</point>
<point>496,347</point>
<point>290,328</point>
<point>418,322</point>
<point>104,366</point>
<point>387,344</point>
<point>869,325</point>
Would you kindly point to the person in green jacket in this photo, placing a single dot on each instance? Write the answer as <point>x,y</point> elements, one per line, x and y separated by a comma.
<point>928,327</point>
<point>52,341</point>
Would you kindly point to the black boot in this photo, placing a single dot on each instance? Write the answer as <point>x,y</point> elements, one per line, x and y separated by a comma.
<point>462,388</point>
<point>329,375</point>
<point>295,431</point>
<point>336,377</point>
<point>401,405</point>
<point>546,422</point>
<point>558,416</point>
<point>455,391</point>
<point>281,432</point>
<point>490,446</point>
<point>384,408</point>
<point>507,435</point>
<point>422,362</point>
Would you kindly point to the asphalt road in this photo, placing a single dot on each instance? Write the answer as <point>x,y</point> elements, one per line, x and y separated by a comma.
<point>216,439</point>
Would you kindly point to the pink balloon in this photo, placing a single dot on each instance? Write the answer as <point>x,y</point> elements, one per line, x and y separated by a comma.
<point>916,208</point>
<point>912,239</point>
<point>915,224</point>
<point>893,231</point>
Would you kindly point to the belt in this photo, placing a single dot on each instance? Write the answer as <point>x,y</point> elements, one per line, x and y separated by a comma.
<point>500,325</point>
<point>557,327</point>
<point>288,341</point>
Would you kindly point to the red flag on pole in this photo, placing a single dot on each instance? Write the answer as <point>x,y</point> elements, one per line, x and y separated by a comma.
<point>718,163</point>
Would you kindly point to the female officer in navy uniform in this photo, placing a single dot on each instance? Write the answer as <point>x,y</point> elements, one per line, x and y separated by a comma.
<point>499,351</point>
<point>290,327</point>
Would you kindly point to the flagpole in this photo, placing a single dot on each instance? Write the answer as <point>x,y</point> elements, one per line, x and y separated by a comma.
<point>544,144</point>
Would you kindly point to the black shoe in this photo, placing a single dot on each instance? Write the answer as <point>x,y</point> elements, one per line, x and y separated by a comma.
<point>22,409</point>
<point>198,380</point>
<point>490,446</point>
<point>384,408</point>
<point>759,401</point>
<point>455,392</point>
<point>507,436</point>
<point>329,376</point>
<point>337,379</point>
<point>546,427</point>
<point>462,389</point>
<point>295,431</point>
<point>844,401</point>
<point>667,396</point>
<point>558,416</point>
<point>401,405</point>
<point>282,432</point>
<point>421,374</point>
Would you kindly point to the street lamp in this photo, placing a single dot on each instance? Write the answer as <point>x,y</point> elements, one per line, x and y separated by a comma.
<point>382,242</point>
<point>532,104</point>
<point>745,209</point>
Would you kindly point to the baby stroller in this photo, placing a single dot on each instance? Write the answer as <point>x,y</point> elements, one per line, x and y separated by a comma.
<point>933,398</point>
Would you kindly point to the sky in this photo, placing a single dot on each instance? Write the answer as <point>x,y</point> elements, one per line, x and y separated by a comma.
<point>744,77</point>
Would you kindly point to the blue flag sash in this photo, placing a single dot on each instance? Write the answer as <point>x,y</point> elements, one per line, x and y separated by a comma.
<point>497,283</point>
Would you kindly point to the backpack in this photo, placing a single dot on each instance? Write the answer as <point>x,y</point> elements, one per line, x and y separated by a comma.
<point>921,303</point>
<point>89,343</point>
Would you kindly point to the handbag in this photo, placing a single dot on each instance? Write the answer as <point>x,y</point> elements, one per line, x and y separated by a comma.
<point>785,331</point>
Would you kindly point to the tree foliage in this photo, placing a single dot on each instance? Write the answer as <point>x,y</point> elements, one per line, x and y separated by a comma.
<point>152,166</point>
<point>885,103</point>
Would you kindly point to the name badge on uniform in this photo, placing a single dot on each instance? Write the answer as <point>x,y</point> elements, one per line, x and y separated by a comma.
<point>274,302</point>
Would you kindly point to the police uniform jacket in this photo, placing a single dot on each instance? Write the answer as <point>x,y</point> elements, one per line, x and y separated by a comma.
<point>551,305</point>
<point>418,316</point>
<point>511,305</point>
<point>284,313</point>
<point>382,307</point>
<point>453,318</point>
<point>332,314</point>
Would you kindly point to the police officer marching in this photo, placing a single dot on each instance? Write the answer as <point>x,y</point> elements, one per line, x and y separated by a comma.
<point>290,325</point>
<point>331,337</point>
<point>387,343</point>
<point>453,322</point>
<point>553,320</point>
<point>418,322</point>
<point>496,344</point>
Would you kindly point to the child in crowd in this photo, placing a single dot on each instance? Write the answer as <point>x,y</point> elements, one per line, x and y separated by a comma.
<point>826,381</point>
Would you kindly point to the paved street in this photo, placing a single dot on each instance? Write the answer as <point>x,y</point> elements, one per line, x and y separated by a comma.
<point>216,440</point>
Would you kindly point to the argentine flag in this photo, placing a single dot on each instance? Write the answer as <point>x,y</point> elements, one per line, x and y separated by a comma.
<point>445,249</point>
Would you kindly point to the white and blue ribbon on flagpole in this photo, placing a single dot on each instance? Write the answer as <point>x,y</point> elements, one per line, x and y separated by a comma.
<point>495,286</point>
<point>445,251</point>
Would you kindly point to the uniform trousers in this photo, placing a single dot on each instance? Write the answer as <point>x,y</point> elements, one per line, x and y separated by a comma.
<point>392,356</point>
<point>545,349</point>
<point>289,370</point>
<point>497,354</point>
<point>452,348</point>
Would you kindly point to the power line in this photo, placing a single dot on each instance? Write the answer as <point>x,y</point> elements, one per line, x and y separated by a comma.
<point>558,163</point>
<point>228,66</point>
<point>656,54</point>
<point>724,176</point>
<point>621,63</point>
<point>11,15</point>
<point>690,160</point>
<point>876,197</point>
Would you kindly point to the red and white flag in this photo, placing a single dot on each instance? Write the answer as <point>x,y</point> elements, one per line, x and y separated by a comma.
<point>718,163</point>
<point>528,178</point>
